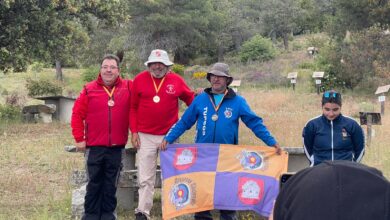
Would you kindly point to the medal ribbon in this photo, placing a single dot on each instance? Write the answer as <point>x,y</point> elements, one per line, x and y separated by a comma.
<point>109,93</point>
<point>219,105</point>
<point>159,85</point>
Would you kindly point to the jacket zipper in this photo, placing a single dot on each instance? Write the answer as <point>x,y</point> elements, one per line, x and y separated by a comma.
<point>331,131</point>
<point>109,126</point>
<point>215,128</point>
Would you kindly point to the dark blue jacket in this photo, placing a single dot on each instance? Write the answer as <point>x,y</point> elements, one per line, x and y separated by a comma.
<point>340,139</point>
<point>225,129</point>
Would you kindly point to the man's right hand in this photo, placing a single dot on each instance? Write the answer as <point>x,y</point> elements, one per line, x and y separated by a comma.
<point>135,141</point>
<point>80,146</point>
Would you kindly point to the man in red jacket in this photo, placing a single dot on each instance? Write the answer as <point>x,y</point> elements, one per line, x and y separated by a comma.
<point>154,109</point>
<point>100,124</point>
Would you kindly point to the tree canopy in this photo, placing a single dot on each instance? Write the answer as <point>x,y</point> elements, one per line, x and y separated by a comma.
<point>75,33</point>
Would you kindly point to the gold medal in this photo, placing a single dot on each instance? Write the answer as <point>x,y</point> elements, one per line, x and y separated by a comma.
<point>110,102</point>
<point>214,117</point>
<point>110,95</point>
<point>156,99</point>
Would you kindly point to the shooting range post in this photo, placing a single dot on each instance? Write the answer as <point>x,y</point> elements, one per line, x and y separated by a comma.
<point>312,51</point>
<point>369,119</point>
<point>293,78</point>
<point>317,77</point>
<point>235,84</point>
<point>380,92</point>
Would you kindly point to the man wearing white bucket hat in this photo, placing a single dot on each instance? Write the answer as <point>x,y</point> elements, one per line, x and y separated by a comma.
<point>154,109</point>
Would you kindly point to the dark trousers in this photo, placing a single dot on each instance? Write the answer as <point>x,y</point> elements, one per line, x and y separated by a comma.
<point>224,215</point>
<point>103,166</point>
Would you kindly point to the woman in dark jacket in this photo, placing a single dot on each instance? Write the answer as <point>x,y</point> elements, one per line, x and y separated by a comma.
<point>332,136</point>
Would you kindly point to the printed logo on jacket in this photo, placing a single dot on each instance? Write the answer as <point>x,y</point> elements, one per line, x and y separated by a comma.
<point>170,89</point>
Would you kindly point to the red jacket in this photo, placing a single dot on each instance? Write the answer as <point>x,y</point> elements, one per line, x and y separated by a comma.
<point>157,118</point>
<point>96,122</point>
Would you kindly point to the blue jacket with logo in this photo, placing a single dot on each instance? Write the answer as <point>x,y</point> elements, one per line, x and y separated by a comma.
<point>225,129</point>
<point>340,139</point>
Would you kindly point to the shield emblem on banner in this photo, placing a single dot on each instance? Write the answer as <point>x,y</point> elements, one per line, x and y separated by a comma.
<point>185,157</point>
<point>250,190</point>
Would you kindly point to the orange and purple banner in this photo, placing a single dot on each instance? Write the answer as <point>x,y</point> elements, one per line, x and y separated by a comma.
<point>199,177</point>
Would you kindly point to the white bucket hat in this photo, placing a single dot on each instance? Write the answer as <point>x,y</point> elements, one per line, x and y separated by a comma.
<point>159,56</point>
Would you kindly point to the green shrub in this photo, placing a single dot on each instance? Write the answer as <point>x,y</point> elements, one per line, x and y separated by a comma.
<point>37,67</point>
<point>257,48</point>
<point>90,73</point>
<point>43,87</point>
<point>8,112</point>
<point>179,69</point>
<point>318,41</point>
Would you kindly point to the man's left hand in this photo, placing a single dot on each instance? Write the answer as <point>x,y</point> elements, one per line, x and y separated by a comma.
<point>163,145</point>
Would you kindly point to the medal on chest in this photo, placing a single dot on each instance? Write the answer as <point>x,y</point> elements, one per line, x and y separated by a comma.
<point>214,117</point>
<point>110,101</point>
<point>156,98</point>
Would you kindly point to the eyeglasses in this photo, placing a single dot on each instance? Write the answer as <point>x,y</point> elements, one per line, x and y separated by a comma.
<point>331,95</point>
<point>109,67</point>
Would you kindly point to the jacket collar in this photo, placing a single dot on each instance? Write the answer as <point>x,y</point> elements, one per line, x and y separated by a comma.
<point>230,94</point>
<point>338,118</point>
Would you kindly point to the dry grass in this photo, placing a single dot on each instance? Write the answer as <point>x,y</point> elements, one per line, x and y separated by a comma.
<point>35,169</point>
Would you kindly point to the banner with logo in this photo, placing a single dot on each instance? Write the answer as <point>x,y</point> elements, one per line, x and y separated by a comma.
<point>199,177</point>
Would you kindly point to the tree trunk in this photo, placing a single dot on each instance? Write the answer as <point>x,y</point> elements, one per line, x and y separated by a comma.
<point>220,53</point>
<point>285,41</point>
<point>237,39</point>
<point>181,57</point>
<point>272,35</point>
<point>58,71</point>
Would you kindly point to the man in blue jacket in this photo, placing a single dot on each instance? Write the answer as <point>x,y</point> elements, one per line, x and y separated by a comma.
<point>217,112</point>
<point>333,136</point>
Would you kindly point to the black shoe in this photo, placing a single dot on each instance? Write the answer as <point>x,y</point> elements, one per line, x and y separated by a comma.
<point>140,216</point>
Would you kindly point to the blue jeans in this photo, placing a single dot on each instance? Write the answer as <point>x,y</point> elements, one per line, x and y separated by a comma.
<point>225,215</point>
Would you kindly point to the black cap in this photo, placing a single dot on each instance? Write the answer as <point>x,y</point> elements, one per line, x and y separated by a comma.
<point>336,190</point>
